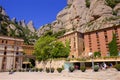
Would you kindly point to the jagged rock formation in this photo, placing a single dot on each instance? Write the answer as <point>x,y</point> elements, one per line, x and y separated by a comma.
<point>22,23</point>
<point>30,26</point>
<point>2,11</point>
<point>16,28</point>
<point>85,15</point>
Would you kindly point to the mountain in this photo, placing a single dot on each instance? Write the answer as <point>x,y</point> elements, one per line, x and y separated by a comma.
<point>85,16</point>
<point>19,29</point>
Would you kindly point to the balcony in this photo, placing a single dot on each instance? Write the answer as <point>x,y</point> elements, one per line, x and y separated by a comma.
<point>10,49</point>
<point>20,50</point>
<point>110,58</point>
<point>2,49</point>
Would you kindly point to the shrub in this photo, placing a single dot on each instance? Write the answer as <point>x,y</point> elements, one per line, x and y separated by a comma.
<point>71,68</point>
<point>59,70</point>
<point>117,66</point>
<point>52,70</point>
<point>96,68</point>
<point>112,3</point>
<point>87,3</point>
<point>83,68</point>
<point>114,12</point>
<point>97,54</point>
<point>47,70</point>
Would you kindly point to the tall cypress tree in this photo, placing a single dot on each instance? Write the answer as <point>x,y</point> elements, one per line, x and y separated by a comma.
<point>113,49</point>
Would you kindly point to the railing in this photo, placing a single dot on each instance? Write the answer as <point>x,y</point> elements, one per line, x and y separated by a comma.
<point>20,50</point>
<point>99,59</point>
<point>2,49</point>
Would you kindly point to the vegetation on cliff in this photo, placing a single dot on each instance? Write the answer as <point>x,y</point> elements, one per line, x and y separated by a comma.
<point>13,29</point>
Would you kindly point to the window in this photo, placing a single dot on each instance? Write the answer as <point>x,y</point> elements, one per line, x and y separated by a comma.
<point>5,53</point>
<point>6,41</point>
<point>90,49</point>
<point>72,56</point>
<point>17,53</point>
<point>2,41</point>
<point>106,37</point>
<point>5,47</point>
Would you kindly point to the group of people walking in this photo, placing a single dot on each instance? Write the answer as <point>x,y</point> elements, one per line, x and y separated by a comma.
<point>104,66</point>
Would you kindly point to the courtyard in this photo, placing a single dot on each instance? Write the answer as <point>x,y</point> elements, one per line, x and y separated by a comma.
<point>108,74</point>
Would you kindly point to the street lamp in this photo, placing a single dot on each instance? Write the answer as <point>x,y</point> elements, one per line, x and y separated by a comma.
<point>91,56</point>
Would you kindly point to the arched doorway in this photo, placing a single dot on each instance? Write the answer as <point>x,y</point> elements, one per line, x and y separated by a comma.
<point>28,62</point>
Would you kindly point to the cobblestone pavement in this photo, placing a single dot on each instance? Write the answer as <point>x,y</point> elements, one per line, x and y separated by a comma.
<point>109,74</point>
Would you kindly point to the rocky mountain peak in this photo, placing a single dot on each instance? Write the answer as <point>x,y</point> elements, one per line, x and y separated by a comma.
<point>86,15</point>
<point>30,26</point>
<point>2,11</point>
<point>23,23</point>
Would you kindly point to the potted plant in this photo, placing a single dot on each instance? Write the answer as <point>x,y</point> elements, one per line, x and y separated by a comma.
<point>40,69</point>
<point>71,68</point>
<point>36,69</point>
<point>52,70</point>
<point>82,68</point>
<point>96,68</point>
<point>19,70</point>
<point>117,66</point>
<point>33,69</point>
<point>47,70</point>
<point>59,70</point>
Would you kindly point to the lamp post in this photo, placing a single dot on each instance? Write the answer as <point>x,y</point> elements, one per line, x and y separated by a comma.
<point>91,56</point>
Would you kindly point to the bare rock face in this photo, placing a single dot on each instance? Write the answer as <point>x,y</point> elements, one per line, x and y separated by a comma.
<point>23,23</point>
<point>85,16</point>
<point>31,26</point>
<point>2,11</point>
<point>43,29</point>
<point>117,9</point>
<point>13,20</point>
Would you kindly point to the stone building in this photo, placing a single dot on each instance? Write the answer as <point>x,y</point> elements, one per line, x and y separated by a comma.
<point>76,43</point>
<point>12,52</point>
<point>81,44</point>
<point>97,41</point>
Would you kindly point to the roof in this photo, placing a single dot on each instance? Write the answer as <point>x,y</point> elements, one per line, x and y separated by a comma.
<point>69,33</point>
<point>10,38</point>
<point>101,29</point>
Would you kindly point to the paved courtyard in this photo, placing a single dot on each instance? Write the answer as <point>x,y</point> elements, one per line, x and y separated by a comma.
<point>109,74</point>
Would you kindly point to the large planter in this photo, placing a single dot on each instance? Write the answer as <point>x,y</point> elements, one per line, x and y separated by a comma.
<point>71,69</point>
<point>47,70</point>
<point>40,69</point>
<point>52,70</point>
<point>59,70</point>
<point>117,66</point>
<point>96,68</point>
<point>83,68</point>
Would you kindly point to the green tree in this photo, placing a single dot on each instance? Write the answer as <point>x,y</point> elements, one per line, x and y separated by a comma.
<point>42,48</point>
<point>47,48</point>
<point>59,50</point>
<point>87,3</point>
<point>112,3</point>
<point>113,46</point>
<point>97,54</point>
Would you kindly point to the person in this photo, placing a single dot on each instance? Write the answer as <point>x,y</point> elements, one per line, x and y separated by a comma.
<point>11,71</point>
<point>111,65</point>
<point>104,65</point>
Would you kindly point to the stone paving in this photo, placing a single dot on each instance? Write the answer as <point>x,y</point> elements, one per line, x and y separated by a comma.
<point>109,74</point>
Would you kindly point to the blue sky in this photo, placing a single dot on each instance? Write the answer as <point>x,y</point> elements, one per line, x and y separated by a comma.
<point>39,11</point>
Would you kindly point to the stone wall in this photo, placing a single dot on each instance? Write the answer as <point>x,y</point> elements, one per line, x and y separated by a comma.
<point>55,64</point>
